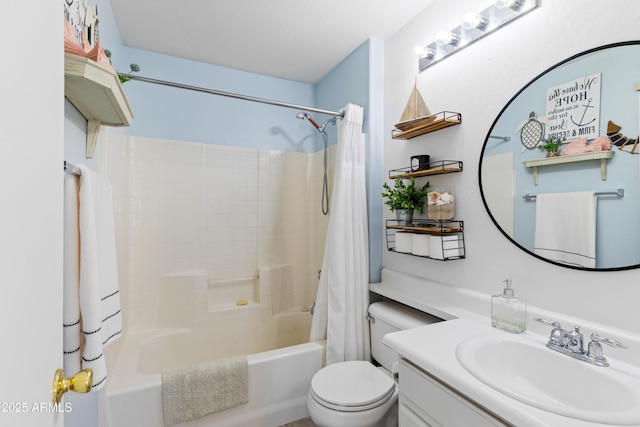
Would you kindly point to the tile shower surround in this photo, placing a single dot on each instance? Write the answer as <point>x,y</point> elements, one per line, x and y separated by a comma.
<point>185,208</point>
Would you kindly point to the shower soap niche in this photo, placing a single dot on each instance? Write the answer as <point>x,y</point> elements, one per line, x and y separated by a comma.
<point>233,293</point>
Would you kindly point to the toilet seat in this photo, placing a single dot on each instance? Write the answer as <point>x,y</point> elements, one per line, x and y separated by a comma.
<point>351,386</point>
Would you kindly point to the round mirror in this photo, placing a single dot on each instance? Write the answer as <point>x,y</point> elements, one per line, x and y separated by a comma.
<point>559,167</point>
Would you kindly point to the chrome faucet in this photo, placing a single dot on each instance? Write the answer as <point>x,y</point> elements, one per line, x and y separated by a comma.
<point>572,344</point>
<point>575,342</point>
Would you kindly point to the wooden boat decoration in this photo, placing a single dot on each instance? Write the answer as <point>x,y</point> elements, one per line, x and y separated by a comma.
<point>416,113</point>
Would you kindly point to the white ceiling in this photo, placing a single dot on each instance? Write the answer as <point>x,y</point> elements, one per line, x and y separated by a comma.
<point>299,40</point>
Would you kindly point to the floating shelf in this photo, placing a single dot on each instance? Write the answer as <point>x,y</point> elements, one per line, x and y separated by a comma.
<point>97,93</point>
<point>602,156</point>
<point>448,238</point>
<point>435,168</point>
<point>440,120</point>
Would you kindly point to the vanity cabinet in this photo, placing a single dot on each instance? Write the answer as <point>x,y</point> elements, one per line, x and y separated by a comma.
<point>426,402</point>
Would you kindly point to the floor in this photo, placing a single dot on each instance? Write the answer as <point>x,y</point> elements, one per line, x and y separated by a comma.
<point>305,422</point>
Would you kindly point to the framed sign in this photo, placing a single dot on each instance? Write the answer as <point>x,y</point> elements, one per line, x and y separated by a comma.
<point>573,108</point>
<point>83,18</point>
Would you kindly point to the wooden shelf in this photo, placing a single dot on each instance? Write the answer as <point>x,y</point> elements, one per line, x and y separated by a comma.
<point>450,247</point>
<point>97,93</point>
<point>602,156</point>
<point>441,120</point>
<point>435,168</point>
<point>428,226</point>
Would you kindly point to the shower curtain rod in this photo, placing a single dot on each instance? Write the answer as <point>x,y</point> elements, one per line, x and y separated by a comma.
<point>235,95</point>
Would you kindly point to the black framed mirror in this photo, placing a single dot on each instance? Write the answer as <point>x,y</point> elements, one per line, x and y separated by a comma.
<point>593,94</point>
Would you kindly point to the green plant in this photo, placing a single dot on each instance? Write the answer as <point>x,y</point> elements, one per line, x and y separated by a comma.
<point>551,145</point>
<point>403,196</point>
<point>124,77</point>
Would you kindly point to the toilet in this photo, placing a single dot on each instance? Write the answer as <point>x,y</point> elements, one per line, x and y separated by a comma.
<point>358,393</point>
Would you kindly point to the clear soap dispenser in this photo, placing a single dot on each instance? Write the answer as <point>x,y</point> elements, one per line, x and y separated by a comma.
<point>508,312</point>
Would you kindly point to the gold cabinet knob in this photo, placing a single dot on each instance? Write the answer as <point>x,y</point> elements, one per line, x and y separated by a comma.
<point>80,383</point>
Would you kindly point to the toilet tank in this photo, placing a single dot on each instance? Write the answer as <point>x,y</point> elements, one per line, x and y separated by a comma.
<point>392,317</point>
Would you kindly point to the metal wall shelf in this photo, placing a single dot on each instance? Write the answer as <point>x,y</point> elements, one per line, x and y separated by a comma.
<point>442,240</point>
<point>441,120</point>
<point>435,168</point>
<point>446,237</point>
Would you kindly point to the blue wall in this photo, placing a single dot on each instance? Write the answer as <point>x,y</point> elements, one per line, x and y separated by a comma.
<point>359,80</point>
<point>174,113</point>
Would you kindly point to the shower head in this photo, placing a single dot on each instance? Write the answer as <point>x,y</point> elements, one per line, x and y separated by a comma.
<point>325,123</point>
<point>321,127</point>
<point>325,137</point>
<point>303,116</point>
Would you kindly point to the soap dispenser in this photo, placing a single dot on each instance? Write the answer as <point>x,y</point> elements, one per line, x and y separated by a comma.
<point>508,312</point>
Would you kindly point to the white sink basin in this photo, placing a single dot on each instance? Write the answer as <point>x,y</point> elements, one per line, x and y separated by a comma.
<point>528,371</point>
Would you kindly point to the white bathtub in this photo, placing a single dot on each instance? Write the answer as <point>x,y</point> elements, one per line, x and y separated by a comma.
<point>278,380</point>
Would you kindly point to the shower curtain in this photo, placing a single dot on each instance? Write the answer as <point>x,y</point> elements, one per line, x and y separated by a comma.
<point>343,295</point>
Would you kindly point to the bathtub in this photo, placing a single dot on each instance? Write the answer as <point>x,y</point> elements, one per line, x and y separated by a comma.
<point>278,379</point>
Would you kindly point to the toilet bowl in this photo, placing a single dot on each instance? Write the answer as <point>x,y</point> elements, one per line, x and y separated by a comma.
<point>357,393</point>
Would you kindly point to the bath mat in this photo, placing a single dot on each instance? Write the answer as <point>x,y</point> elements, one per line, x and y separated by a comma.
<point>195,391</point>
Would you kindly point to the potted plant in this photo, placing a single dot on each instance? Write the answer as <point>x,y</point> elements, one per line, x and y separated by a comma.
<point>404,199</point>
<point>551,146</point>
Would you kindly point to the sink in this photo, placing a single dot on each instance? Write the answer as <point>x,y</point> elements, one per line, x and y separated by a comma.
<point>525,369</point>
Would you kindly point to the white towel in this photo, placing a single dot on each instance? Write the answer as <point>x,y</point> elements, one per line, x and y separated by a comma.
<point>195,391</point>
<point>566,228</point>
<point>91,275</point>
<point>71,278</point>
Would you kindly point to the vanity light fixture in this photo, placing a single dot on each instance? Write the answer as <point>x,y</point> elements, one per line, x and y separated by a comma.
<point>473,27</point>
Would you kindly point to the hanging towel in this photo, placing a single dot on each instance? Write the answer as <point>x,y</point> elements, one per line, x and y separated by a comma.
<point>566,228</point>
<point>195,391</point>
<point>91,293</point>
<point>71,277</point>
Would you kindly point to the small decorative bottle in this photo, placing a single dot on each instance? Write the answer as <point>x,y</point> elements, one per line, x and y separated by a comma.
<point>508,312</point>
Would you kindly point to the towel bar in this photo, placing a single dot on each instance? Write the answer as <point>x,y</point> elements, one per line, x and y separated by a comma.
<point>72,169</point>
<point>618,193</point>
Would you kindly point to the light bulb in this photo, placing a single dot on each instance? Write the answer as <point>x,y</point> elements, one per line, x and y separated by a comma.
<point>447,37</point>
<point>425,52</point>
<point>512,4</point>
<point>474,20</point>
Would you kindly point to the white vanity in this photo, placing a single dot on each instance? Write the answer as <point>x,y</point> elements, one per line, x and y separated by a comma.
<point>463,372</point>
<point>425,401</point>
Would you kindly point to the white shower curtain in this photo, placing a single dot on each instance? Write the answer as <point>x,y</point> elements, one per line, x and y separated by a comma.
<point>343,294</point>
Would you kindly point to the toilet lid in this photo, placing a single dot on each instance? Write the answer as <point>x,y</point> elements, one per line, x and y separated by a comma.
<point>353,385</point>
